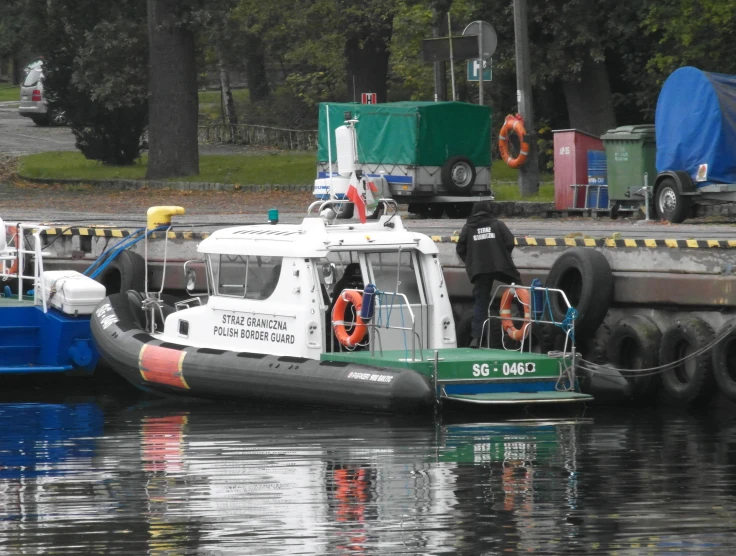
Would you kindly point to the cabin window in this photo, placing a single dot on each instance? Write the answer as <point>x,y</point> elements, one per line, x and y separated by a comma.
<point>245,276</point>
<point>396,272</point>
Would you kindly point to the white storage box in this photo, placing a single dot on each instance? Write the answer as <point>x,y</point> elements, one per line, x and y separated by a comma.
<point>71,292</point>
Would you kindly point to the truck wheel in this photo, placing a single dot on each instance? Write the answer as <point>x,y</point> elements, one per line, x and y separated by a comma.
<point>458,210</point>
<point>671,205</point>
<point>458,175</point>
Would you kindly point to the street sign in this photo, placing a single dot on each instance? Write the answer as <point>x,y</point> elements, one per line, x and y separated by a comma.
<point>438,50</point>
<point>369,98</point>
<point>486,34</point>
<point>474,67</point>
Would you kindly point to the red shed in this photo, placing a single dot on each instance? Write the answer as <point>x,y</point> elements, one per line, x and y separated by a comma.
<point>571,165</point>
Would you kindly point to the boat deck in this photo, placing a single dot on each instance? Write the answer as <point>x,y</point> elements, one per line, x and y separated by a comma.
<point>27,301</point>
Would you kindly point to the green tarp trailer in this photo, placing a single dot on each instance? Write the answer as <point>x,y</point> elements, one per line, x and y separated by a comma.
<point>419,133</point>
<point>425,150</point>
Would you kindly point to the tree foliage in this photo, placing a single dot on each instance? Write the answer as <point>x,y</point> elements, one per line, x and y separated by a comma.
<point>94,58</point>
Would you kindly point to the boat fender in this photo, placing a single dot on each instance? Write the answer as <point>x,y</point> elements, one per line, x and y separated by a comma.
<point>82,353</point>
<point>506,323</point>
<point>691,382</point>
<point>369,299</point>
<point>724,360</point>
<point>537,294</point>
<point>338,318</point>
<point>516,124</point>
<point>634,344</point>
<point>126,272</point>
<point>586,278</point>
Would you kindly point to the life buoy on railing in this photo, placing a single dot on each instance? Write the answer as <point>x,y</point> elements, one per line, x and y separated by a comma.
<point>13,231</point>
<point>506,323</point>
<point>513,123</point>
<point>338,319</point>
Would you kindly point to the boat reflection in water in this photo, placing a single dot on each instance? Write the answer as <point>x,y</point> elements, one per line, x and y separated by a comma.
<point>228,479</point>
<point>325,483</point>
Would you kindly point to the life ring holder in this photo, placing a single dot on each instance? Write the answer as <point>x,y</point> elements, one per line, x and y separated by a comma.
<point>14,265</point>
<point>338,319</point>
<point>507,324</point>
<point>516,124</point>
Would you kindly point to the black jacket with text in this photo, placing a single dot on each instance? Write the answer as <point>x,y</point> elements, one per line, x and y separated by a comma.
<point>485,246</point>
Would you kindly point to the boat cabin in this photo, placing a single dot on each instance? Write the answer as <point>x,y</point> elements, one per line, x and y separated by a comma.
<point>272,288</point>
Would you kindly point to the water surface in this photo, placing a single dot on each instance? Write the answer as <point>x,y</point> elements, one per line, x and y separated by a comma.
<point>90,475</point>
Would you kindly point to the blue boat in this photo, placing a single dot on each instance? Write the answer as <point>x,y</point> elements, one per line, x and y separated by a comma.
<point>44,315</point>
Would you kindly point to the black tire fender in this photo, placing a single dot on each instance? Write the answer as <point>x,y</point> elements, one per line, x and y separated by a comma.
<point>448,174</point>
<point>585,276</point>
<point>724,360</point>
<point>633,345</point>
<point>126,272</point>
<point>691,382</point>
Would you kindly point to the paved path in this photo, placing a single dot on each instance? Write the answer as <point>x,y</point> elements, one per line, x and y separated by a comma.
<point>211,209</point>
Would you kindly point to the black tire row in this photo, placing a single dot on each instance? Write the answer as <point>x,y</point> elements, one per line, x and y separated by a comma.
<point>637,343</point>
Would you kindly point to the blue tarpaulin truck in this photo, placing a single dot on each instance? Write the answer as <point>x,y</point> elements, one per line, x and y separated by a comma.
<point>695,125</point>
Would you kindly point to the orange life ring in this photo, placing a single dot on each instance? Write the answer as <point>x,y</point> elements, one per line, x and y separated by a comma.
<point>338,318</point>
<point>14,236</point>
<point>507,325</point>
<point>513,123</point>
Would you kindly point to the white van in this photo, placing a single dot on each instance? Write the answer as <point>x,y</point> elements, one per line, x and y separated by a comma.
<point>32,101</point>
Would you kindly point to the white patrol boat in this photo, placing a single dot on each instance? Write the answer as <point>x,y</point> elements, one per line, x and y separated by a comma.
<point>327,312</point>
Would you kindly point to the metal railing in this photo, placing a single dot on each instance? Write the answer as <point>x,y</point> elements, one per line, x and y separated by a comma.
<point>18,254</point>
<point>374,327</point>
<point>259,136</point>
<point>567,325</point>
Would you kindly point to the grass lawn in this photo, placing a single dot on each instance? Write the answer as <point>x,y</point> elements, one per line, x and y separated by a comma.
<point>9,93</point>
<point>280,169</point>
<point>210,104</point>
<point>251,169</point>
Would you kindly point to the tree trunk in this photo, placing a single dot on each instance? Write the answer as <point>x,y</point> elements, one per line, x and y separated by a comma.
<point>366,55</point>
<point>228,104</point>
<point>172,95</point>
<point>588,99</point>
<point>255,68</point>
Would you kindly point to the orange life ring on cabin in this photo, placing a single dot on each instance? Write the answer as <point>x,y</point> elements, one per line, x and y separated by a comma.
<point>338,318</point>
<point>513,123</point>
<point>507,325</point>
<point>14,231</point>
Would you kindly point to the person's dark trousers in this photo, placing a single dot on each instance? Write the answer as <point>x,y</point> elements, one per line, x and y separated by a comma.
<point>482,284</point>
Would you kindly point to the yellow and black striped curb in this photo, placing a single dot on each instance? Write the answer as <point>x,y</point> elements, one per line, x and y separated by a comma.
<point>520,241</point>
<point>610,242</point>
<point>120,233</point>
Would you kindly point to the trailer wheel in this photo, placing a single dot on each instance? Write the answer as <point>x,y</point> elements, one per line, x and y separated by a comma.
<point>458,210</point>
<point>671,205</point>
<point>458,175</point>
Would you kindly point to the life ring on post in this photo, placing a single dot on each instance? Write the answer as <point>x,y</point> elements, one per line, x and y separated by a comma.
<point>505,311</point>
<point>338,319</point>
<point>13,231</point>
<point>516,124</point>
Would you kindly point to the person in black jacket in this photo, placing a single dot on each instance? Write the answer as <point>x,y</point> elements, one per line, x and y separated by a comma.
<point>485,246</point>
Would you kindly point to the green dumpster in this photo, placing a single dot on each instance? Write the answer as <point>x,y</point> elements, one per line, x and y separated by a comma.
<point>631,151</point>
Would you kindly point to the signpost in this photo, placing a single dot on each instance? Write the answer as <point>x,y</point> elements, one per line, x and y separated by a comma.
<point>474,70</point>
<point>369,98</point>
<point>487,42</point>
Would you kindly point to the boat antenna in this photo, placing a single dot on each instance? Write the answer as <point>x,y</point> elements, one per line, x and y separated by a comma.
<point>329,147</point>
